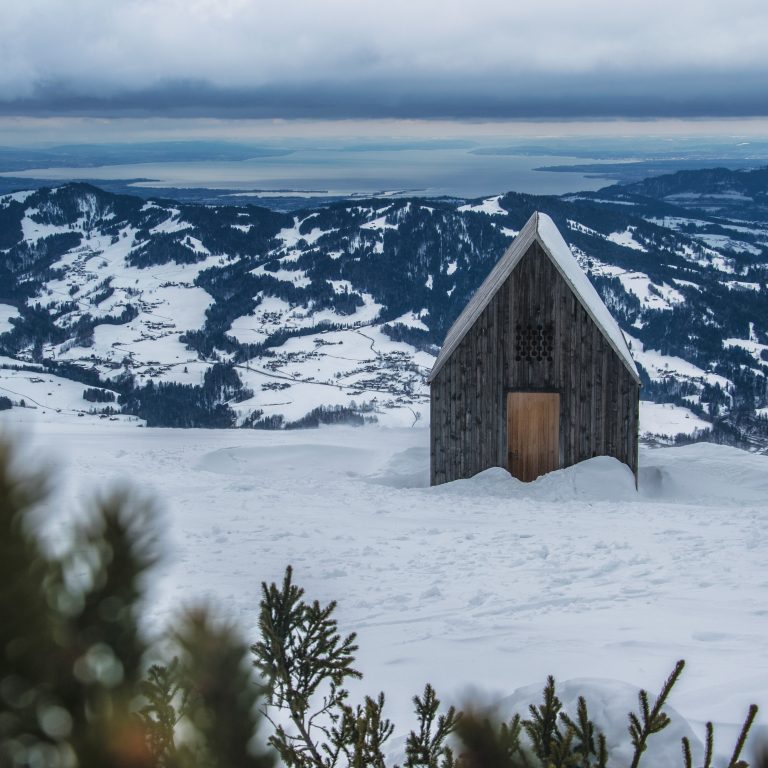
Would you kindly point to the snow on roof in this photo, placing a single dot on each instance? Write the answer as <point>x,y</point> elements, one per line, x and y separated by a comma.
<point>542,229</point>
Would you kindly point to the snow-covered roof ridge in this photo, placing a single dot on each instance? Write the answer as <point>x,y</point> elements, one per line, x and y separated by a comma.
<point>541,228</point>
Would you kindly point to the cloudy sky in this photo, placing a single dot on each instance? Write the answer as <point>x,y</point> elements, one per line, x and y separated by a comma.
<point>414,59</point>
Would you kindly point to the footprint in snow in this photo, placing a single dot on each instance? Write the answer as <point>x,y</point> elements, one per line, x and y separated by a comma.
<point>335,573</point>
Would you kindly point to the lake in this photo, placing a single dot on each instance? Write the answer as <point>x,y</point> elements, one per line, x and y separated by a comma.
<point>465,167</point>
<point>431,172</point>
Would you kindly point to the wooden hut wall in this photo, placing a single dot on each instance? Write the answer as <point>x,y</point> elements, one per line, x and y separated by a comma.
<point>599,397</point>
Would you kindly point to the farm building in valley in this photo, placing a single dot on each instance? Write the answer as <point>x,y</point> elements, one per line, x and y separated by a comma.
<point>535,374</point>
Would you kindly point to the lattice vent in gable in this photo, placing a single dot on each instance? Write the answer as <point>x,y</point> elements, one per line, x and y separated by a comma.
<point>534,342</point>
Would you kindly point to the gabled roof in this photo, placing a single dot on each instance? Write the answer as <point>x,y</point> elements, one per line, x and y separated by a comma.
<point>542,229</point>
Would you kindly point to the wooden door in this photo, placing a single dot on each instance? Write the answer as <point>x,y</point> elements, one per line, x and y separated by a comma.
<point>533,433</point>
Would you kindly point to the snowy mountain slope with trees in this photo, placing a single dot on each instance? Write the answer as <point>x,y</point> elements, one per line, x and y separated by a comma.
<point>242,316</point>
<point>486,582</point>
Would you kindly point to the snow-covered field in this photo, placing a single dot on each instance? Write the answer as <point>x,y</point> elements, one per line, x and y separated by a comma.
<point>48,397</point>
<point>488,583</point>
<point>669,419</point>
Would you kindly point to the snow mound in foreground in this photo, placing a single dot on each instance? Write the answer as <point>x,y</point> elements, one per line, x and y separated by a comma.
<point>698,474</point>
<point>302,459</point>
<point>704,473</point>
<point>602,478</point>
<point>608,703</point>
<point>405,469</point>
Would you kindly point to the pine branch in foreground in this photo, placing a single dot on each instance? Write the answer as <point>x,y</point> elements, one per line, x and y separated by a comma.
<point>222,697</point>
<point>735,761</point>
<point>653,719</point>
<point>427,747</point>
<point>165,706</point>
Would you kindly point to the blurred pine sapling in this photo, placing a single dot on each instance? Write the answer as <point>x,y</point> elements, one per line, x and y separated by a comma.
<point>76,684</point>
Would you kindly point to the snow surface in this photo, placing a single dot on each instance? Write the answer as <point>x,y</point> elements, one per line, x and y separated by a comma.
<point>667,419</point>
<point>755,348</point>
<point>34,231</point>
<point>6,313</point>
<point>579,227</point>
<point>486,582</point>
<point>660,367</point>
<point>490,207</point>
<point>744,286</point>
<point>17,197</point>
<point>651,295</point>
<point>600,200</point>
<point>379,224</point>
<point>627,239</point>
<point>723,241</point>
<point>292,236</point>
<point>413,320</point>
<point>707,257</point>
<point>296,276</point>
<point>167,301</point>
<point>677,222</point>
<point>172,224</point>
<point>47,397</point>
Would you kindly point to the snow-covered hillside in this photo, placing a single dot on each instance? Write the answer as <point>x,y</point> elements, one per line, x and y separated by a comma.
<point>241,316</point>
<point>486,582</point>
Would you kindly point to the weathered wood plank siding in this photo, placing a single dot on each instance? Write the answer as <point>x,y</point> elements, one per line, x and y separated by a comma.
<point>599,397</point>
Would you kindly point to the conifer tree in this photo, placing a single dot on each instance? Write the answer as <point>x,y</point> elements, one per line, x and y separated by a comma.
<point>301,654</point>
<point>26,624</point>
<point>486,744</point>
<point>584,730</point>
<point>307,664</point>
<point>220,698</point>
<point>427,747</point>
<point>542,727</point>
<point>73,690</point>
<point>164,707</point>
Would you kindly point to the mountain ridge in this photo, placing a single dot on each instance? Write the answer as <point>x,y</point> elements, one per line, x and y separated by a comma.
<point>197,315</point>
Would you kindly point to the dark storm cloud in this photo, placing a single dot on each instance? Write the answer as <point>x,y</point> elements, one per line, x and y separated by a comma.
<point>344,59</point>
<point>539,96</point>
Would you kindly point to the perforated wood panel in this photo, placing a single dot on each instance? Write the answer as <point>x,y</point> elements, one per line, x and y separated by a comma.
<point>533,433</point>
<point>534,342</point>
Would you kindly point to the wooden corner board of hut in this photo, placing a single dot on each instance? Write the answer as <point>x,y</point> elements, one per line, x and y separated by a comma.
<point>535,374</point>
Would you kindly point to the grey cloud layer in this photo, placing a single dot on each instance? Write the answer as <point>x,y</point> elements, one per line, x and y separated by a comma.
<point>338,58</point>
